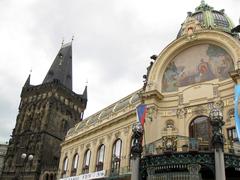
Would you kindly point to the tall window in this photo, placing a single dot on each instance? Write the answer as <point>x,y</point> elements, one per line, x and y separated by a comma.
<point>86,161</point>
<point>65,167</point>
<point>200,132</point>
<point>116,156</point>
<point>232,134</point>
<point>74,164</point>
<point>100,158</point>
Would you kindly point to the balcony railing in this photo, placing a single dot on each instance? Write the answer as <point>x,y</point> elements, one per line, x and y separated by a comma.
<point>184,144</point>
<point>123,171</point>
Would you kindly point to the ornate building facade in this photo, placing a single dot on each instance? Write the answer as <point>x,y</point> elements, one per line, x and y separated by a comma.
<point>46,112</point>
<point>190,77</point>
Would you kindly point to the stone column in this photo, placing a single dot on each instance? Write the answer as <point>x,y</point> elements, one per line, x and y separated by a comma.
<point>219,164</point>
<point>216,120</point>
<point>135,168</point>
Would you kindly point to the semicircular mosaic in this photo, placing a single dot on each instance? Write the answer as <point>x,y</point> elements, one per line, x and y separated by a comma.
<point>196,64</point>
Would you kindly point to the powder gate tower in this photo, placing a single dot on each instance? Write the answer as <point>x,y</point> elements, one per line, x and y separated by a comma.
<point>46,112</point>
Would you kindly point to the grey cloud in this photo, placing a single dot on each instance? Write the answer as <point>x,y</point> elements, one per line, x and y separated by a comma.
<point>113,42</point>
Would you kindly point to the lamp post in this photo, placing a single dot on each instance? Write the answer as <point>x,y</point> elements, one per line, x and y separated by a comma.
<point>136,149</point>
<point>216,121</point>
<point>25,157</point>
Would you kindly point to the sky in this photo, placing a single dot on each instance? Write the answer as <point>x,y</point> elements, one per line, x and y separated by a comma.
<point>113,42</point>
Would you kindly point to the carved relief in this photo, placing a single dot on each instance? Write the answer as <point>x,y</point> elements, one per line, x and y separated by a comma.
<point>88,146</point>
<point>230,115</point>
<point>219,104</point>
<point>101,141</point>
<point>199,110</point>
<point>126,130</point>
<point>190,26</point>
<point>181,113</point>
<point>169,125</point>
<point>151,113</point>
<point>117,134</point>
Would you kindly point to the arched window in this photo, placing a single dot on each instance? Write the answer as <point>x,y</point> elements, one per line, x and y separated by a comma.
<point>200,133</point>
<point>74,164</point>
<point>86,161</point>
<point>100,158</point>
<point>46,177</point>
<point>116,156</point>
<point>51,177</point>
<point>65,167</point>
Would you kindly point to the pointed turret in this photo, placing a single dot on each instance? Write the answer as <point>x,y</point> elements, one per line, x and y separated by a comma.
<point>27,83</point>
<point>85,93</point>
<point>61,69</point>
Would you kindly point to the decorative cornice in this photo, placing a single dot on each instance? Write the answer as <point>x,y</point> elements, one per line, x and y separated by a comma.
<point>235,75</point>
<point>152,94</point>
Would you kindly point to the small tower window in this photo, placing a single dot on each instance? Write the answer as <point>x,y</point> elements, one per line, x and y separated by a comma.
<point>60,55</point>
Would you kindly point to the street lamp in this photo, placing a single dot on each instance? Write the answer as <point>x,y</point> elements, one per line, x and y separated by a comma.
<point>136,149</point>
<point>216,121</point>
<point>25,157</point>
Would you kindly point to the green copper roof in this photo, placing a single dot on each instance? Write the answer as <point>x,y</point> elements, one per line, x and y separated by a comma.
<point>211,19</point>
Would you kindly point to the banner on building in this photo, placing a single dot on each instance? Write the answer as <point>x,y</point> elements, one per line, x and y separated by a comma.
<point>94,175</point>
<point>236,114</point>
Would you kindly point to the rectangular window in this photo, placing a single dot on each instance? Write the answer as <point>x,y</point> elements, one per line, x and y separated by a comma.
<point>232,134</point>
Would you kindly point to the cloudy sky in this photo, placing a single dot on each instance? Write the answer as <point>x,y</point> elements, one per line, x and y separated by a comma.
<point>113,40</point>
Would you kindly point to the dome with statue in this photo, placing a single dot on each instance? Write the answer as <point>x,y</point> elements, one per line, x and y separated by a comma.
<point>209,18</point>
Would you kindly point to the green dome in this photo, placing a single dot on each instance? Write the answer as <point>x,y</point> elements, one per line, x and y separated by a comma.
<point>210,18</point>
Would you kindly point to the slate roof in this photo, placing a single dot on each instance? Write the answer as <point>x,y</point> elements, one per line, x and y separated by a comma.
<point>61,69</point>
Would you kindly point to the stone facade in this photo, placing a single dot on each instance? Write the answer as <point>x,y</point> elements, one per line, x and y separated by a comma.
<point>177,118</point>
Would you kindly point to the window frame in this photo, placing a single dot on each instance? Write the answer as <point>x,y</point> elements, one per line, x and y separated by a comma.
<point>86,161</point>
<point>99,162</point>
<point>116,156</point>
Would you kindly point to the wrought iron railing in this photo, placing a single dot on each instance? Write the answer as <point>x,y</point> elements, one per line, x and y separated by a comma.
<point>119,172</point>
<point>184,144</point>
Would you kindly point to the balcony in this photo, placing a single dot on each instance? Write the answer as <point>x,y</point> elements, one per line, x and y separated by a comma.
<point>178,156</point>
<point>121,173</point>
<point>171,144</point>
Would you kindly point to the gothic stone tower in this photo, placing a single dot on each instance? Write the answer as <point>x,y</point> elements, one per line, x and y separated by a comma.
<point>46,112</point>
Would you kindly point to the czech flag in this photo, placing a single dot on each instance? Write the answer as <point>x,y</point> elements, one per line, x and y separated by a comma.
<point>236,114</point>
<point>141,113</point>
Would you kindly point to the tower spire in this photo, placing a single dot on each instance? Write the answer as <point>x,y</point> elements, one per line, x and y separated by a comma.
<point>27,83</point>
<point>61,68</point>
<point>85,93</point>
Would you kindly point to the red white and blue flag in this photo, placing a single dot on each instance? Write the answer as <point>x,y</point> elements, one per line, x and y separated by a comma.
<point>141,113</point>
